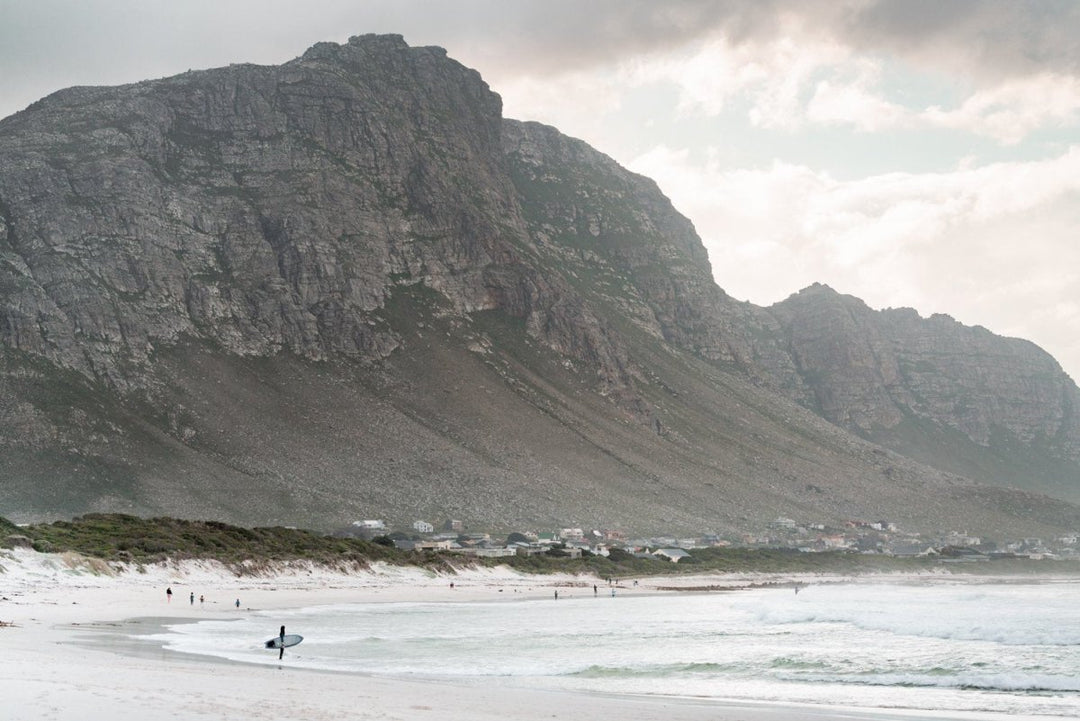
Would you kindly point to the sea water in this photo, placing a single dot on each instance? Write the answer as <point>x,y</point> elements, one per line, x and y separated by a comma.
<point>1003,647</point>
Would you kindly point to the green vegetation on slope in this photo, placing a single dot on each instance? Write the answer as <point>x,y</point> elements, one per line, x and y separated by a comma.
<point>114,536</point>
<point>8,528</point>
<point>119,537</point>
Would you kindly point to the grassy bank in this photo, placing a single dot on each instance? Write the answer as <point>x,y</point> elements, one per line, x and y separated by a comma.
<point>119,537</point>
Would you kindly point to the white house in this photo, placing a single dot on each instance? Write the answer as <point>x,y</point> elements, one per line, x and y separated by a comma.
<point>486,552</point>
<point>432,545</point>
<point>370,525</point>
<point>423,527</point>
<point>835,541</point>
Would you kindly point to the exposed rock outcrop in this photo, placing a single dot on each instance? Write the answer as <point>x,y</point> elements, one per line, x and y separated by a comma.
<point>347,285</point>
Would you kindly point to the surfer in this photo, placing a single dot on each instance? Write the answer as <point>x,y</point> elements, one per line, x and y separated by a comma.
<point>281,635</point>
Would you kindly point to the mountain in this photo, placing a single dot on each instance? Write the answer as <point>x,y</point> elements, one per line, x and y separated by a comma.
<point>346,287</point>
<point>958,398</point>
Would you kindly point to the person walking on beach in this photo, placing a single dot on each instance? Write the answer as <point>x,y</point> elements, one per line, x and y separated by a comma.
<point>281,637</point>
<point>168,595</point>
<point>201,599</point>
<point>192,598</point>
<point>238,603</point>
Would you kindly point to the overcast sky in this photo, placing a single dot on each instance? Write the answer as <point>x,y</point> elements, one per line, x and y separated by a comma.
<point>920,153</point>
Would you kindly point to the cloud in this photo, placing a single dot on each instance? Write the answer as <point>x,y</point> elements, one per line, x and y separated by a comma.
<point>856,104</point>
<point>582,101</point>
<point>988,40</point>
<point>797,61</point>
<point>798,76</point>
<point>1010,111</point>
<point>991,245</point>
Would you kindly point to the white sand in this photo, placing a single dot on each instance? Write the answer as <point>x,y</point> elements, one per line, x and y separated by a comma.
<point>68,656</point>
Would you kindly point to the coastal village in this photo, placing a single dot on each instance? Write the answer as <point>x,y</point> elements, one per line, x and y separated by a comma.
<point>866,537</point>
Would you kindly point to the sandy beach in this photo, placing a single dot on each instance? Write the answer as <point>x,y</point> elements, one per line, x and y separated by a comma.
<point>69,651</point>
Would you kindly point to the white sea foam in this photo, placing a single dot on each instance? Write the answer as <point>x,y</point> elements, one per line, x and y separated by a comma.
<point>1012,648</point>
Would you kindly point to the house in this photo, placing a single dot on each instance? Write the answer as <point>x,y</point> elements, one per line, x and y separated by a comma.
<point>423,545</point>
<point>672,554</point>
<point>486,552</point>
<point>912,549</point>
<point>962,539</point>
<point>961,554</point>
<point>525,549</point>
<point>370,525</point>
<point>423,527</point>
<point>834,541</point>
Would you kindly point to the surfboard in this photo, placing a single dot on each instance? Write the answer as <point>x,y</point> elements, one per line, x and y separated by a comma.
<point>291,639</point>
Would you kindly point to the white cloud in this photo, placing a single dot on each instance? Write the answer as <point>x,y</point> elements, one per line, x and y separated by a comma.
<point>796,78</point>
<point>856,104</point>
<point>581,101</point>
<point>991,245</point>
<point>1010,111</point>
<point>774,74</point>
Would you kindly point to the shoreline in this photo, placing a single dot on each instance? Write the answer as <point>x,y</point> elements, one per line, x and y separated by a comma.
<point>115,639</point>
<point>71,653</point>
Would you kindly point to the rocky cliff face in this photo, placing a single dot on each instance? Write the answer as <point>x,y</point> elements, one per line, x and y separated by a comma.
<point>620,243</point>
<point>904,380</point>
<point>347,286</point>
<point>869,370</point>
<point>891,376</point>
<point>266,209</point>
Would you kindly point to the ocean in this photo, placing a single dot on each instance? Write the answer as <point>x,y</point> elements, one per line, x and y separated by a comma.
<point>963,646</point>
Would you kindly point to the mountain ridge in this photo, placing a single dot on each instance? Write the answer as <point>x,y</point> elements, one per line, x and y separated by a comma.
<point>363,224</point>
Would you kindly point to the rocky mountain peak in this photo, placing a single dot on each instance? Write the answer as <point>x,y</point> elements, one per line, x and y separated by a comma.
<point>348,283</point>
